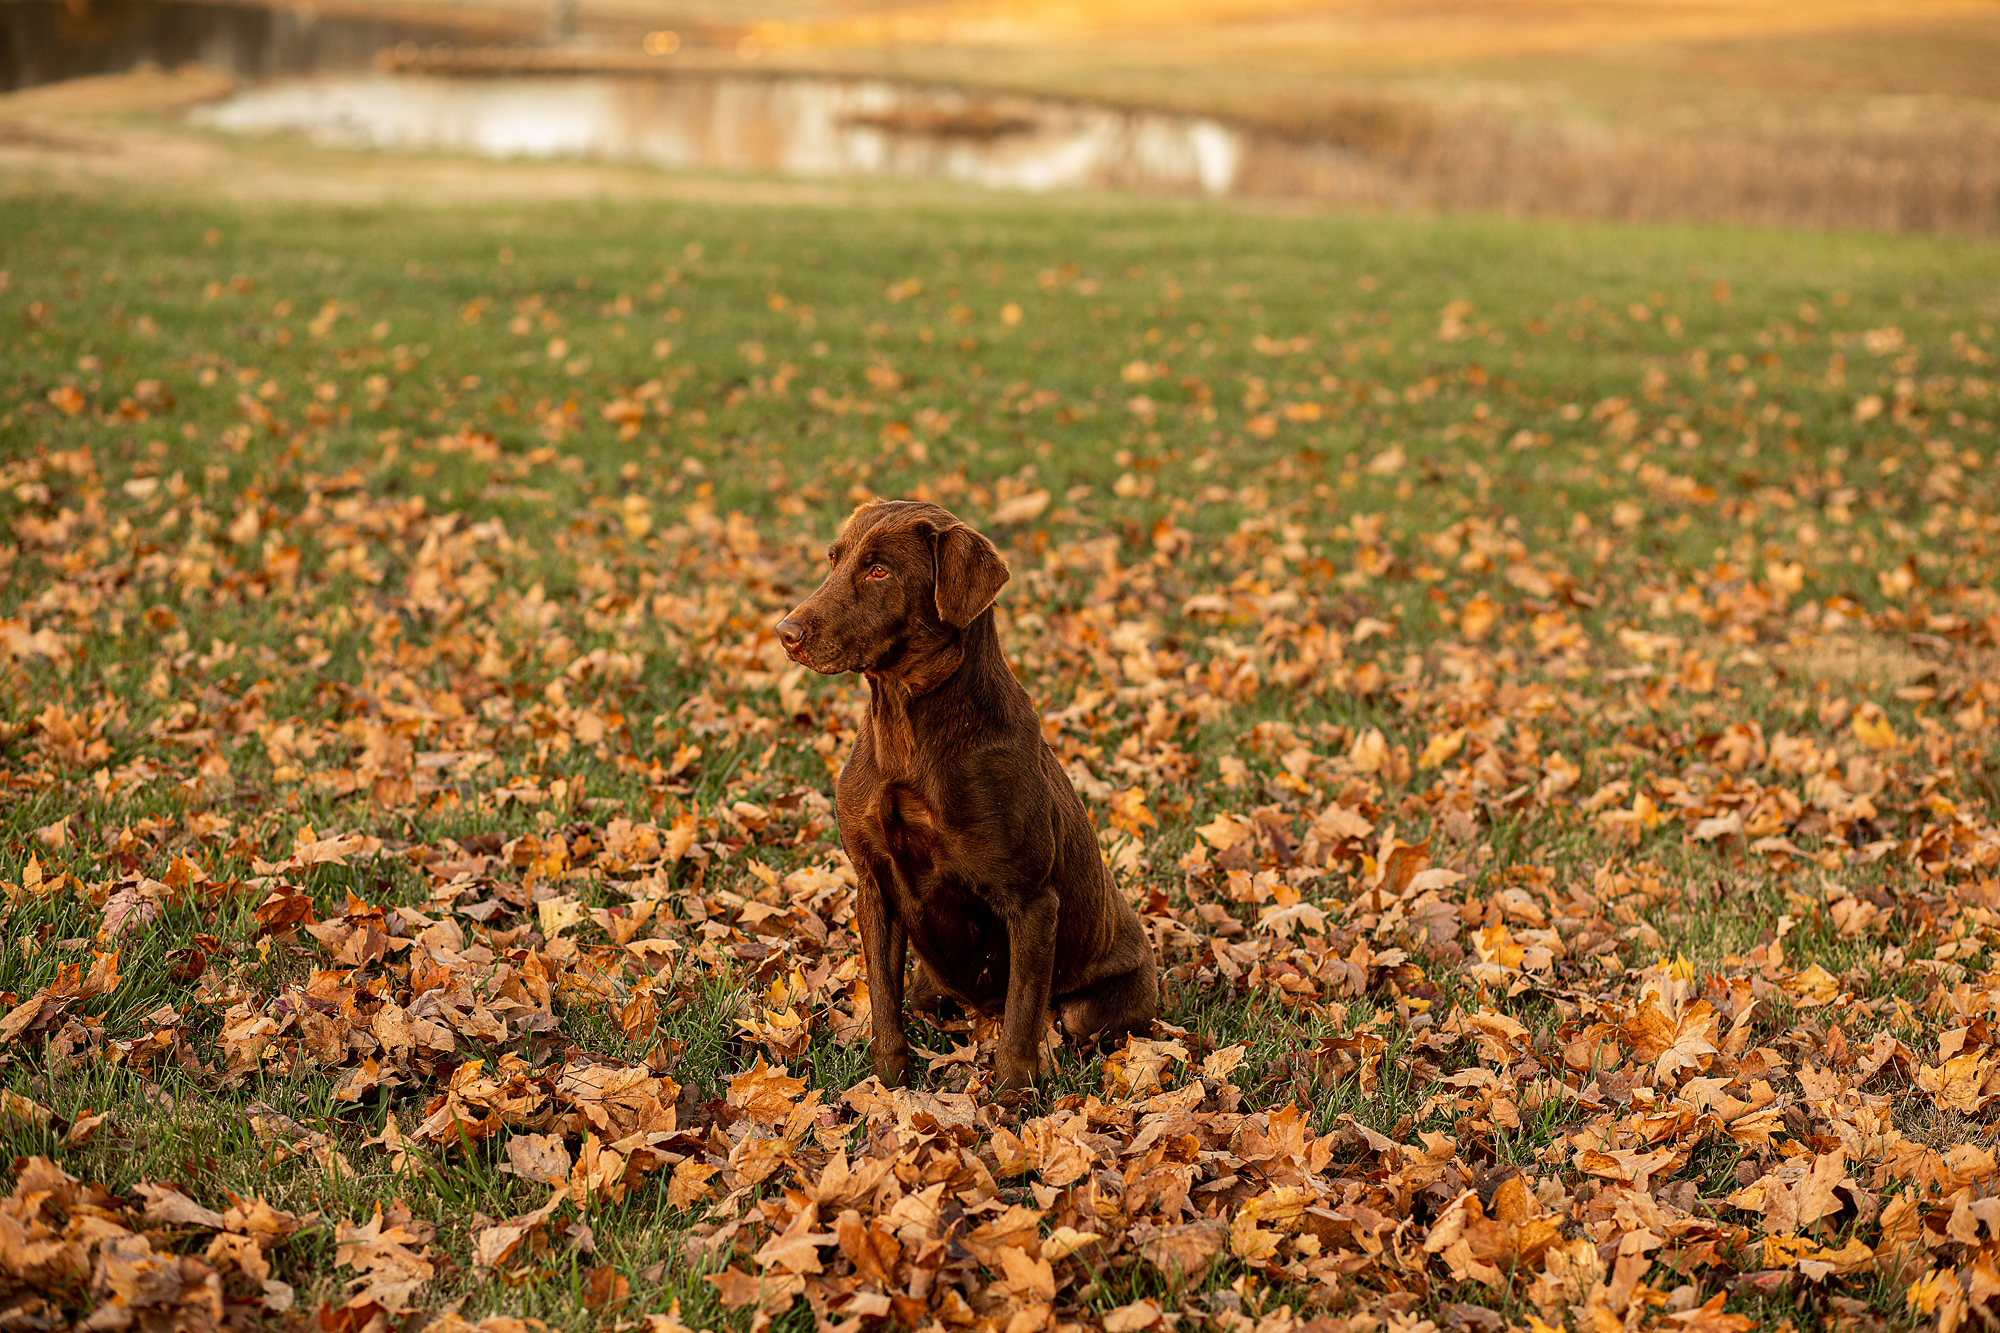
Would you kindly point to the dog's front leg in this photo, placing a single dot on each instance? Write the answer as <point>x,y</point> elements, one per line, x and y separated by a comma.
<point>1031,952</point>
<point>885,949</point>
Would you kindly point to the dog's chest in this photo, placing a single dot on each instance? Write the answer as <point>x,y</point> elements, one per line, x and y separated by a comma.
<point>951,925</point>
<point>890,791</point>
<point>903,815</point>
<point>909,830</point>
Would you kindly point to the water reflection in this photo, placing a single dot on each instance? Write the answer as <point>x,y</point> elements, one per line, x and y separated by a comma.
<point>802,125</point>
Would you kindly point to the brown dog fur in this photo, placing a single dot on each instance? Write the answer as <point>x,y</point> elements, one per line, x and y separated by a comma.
<point>971,846</point>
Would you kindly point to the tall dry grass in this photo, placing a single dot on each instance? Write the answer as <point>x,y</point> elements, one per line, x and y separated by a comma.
<point>1938,173</point>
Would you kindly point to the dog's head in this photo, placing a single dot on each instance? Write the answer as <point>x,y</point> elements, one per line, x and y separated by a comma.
<point>902,575</point>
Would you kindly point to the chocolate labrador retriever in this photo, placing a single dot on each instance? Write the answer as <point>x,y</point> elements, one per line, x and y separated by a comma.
<point>971,846</point>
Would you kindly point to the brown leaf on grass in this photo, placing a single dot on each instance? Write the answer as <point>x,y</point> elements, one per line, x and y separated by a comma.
<point>1711,1318</point>
<point>355,1316</point>
<point>259,1219</point>
<point>689,1185</point>
<point>1224,832</point>
<point>606,1289</point>
<point>1492,1244</point>
<point>85,1128</point>
<point>313,849</point>
<point>1816,1198</point>
<point>501,1244</point>
<point>1133,1317</point>
<point>1719,826</point>
<point>1021,508</point>
<point>17,1107</point>
<point>166,1204</point>
<point>144,1286</point>
<point>796,1248</point>
<point>1672,1041</point>
<point>1631,1166</point>
<point>540,1157</point>
<point>1066,1242</point>
<point>771,1293</point>
<point>768,1095</point>
<point>392,1141</point>
<point>404,1034</point>
<point>1339,823</point>
<point>1027,1278</point>
<point>1018,1228</point>
<point>103,977</point>
<point>360,1080</point>
<point>872,1251</point>
<point>388,1254</point>
<point>37,1013</point>
<point>1400,866</point>
<point>285,911</point>
<point>1183,1252</point>
<point>1139,1066</point>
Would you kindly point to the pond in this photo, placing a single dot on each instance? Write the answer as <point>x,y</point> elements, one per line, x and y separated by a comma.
<point>794,124</point>
<point>451,83</point>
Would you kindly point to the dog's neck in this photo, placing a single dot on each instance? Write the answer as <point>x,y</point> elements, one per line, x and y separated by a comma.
<point>920,669</point>
<point>918,672</point>
<point>932,658</point>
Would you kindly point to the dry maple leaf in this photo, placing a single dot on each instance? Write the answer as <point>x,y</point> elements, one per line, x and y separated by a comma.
<point>690,1183</point>
<point>1959,1084</point>
<point>1224,832</point>
<point>796,1248</point>
<point>128,911</point>
<point>1018,1228</point>
<point>1491,1244</point>
<point>1021,508</point>
<point>143,1287</point>
<point>15,1106</point>
<point>498,1245</point>
<point>389,1256</point>
<point>1139,1066</point>
<point>166,1204</point>
<point>873,1251</point>
<point>1028,1279</point>
<point>1711,1318</point>
<point>1132,1318</point>
<point>768,1095</point>
<point>539,1157</point>
<point>772,1293</point>
<point>1184,1251</point>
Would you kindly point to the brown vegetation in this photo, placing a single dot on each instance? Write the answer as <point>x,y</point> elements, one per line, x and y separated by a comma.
<point>1403,153</point>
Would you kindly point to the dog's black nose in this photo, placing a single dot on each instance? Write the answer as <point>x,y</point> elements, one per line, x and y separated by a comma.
<point>791,633</point>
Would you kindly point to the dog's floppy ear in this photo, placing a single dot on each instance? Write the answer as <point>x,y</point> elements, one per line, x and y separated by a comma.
<point>968,571</point>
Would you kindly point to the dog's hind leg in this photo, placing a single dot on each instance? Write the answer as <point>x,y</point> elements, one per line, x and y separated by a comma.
<point>924,994</point>
<point>1105,1011</point>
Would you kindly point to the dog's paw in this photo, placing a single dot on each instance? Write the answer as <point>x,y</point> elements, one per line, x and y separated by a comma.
<point>1014,1075</point>
<point>1017,1100</point>
<point>893,1068</point>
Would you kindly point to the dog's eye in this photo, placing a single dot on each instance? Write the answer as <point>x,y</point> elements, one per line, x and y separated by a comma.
<point>877,572</point>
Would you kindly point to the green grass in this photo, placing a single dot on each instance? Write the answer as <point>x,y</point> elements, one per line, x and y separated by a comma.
<point>1635,413</point>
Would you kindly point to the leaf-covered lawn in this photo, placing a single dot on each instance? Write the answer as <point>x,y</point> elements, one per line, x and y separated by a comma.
<point>1537,683</point>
